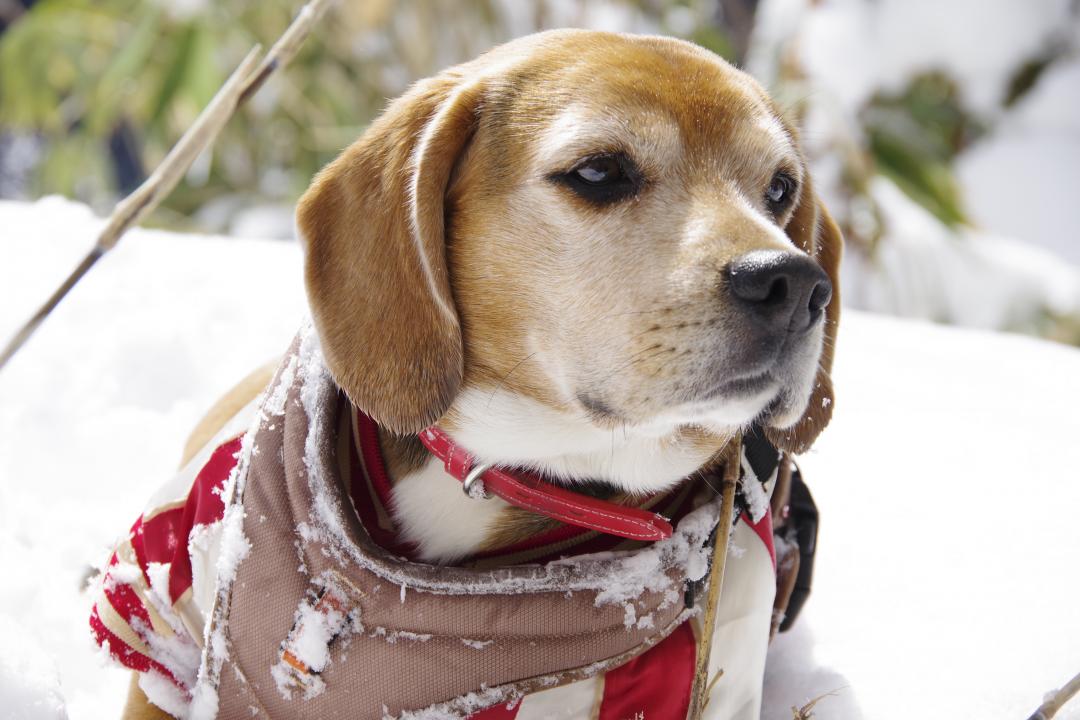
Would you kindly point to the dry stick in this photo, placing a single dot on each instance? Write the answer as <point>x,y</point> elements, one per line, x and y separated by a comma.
<point>285,49</point>
<point>1055,702</point>
<point>806,712</point>
<point>732,465</point>
<point>147,196</point>
<point>240,86</point>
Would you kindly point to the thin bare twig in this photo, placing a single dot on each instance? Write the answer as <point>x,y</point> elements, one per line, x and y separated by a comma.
<point>1057,700</point>
<point>701,686</point>
<point>806,712</point>
<point>244,82</point>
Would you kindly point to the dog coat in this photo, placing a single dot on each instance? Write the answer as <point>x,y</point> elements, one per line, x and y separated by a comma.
<point>253,588</point>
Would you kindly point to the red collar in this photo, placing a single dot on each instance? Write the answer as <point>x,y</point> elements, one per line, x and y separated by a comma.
<point>372,496</point>
<point>528,491</point>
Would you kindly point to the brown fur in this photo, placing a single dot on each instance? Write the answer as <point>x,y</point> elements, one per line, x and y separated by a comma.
<point>387,343</point>
<point>491,112</point>
<point>438,258</point>
<point>362,266</point>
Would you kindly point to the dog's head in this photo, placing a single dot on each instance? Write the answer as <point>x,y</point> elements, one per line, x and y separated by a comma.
<point>618,227</point>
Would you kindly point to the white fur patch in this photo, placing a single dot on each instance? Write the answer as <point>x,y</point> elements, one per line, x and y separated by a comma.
<point>505,428</point>
<point>432,511</point>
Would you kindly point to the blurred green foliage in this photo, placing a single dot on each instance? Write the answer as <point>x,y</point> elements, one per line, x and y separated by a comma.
<point>914,137</point>
<point>82,76</point>
<point>74,71</point>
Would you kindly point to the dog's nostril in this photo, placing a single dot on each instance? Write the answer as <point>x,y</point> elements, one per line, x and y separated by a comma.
<point>820,297</point>
<point>785,291</point>
<point>757,278</point>
<point>778,291</point>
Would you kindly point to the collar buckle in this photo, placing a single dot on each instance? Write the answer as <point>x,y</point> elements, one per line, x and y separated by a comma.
<point>469,486</point>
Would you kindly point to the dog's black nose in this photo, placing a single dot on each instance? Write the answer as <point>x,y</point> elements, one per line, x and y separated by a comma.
<point>786,290</point>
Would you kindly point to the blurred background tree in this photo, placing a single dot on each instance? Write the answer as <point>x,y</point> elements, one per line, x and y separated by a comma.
<point>902,103</point>
<point>93,93</point>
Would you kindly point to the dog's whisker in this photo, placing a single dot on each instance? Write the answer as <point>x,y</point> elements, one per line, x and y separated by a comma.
<point>705,479</point>
<point>611,459</point>
<point>645,312</point>
<point>635,359</point>
<point>502,381</point>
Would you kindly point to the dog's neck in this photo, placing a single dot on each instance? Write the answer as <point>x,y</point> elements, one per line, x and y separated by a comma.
<point>432,512</point>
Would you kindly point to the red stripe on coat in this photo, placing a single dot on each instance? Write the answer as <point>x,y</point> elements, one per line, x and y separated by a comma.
<point>656,684</point>
<point>204,505</point>
<point>763,528</point>
<point>127,604</point>
<point>503,711</point>
<point>164,537</point>
<point>124,653</point>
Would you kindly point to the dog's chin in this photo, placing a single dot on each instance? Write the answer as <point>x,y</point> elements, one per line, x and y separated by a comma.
<point>722,412</point>
<point>784,412</point>
<point>789,405</point>
<point>736,405</point>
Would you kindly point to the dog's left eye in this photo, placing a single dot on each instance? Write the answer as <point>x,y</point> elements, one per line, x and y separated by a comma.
<point>602,179</point>
<point>780,192</point>
<point>601,170</point>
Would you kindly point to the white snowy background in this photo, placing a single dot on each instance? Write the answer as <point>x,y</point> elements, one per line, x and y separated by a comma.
<point>948,570</point>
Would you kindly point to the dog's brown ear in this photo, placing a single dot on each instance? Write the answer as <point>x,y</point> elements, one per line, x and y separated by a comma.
<point>813,230</point>
<point>375,261</point>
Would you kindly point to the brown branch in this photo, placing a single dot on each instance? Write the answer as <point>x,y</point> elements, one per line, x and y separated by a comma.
<point>244,82</point>
<point>700,690</point>
<point>1057,700</point>
<point>806,712</point>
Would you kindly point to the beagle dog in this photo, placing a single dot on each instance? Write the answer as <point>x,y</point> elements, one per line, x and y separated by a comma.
<point>596,256</point>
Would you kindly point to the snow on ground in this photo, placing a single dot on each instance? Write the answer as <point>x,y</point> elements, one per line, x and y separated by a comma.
<point>947,569</point>
<point>94,411</point>
<point>948,565</point>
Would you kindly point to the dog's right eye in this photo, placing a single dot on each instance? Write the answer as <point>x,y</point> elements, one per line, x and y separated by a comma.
<point>602,179</point>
